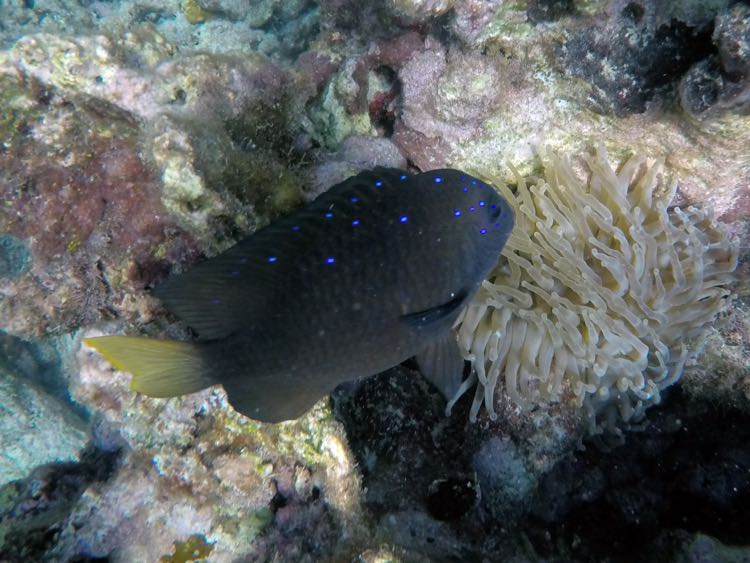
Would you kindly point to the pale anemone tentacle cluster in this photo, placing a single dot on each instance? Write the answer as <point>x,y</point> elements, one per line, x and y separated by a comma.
<point>604,291</point>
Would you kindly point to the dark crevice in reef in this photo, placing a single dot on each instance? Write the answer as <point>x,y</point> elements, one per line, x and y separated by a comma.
<point>652,52</point>
<point>411,433</point>
<point>40,365</point>
<point>34,510</point>
<point>638,57</point>
<point>679,477</point>
<point>686,473</point>
<point>549,10</point>
<point>383,103</point>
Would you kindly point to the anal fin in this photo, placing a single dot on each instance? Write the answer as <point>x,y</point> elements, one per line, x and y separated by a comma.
<point>269,399</point>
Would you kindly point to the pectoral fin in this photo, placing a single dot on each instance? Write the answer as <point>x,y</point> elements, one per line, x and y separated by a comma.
<point>434,315</point>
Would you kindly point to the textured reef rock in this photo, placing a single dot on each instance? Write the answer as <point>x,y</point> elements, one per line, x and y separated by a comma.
<point>272,27</point>
<point>36,428</point>
<point>218,475</point>
<point>722,82</point>
<point>446,97</point>
<point>94,135</point>
<point>429,480</point>
<point>640,500</point>
<point>136,139</point>
<point>355,153</point>
<point>637,55</point>
<point>32,510</point>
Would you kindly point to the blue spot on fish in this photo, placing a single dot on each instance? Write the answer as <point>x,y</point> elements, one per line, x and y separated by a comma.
<point>378,184</point>
<point>403,218</point>
<point>473,182</point>
<point>438,179</point>
<point>355,223</point>
<point>457,213</point>
<point>235,273</point>
<point>482,204</point>
<point>215,301</point>
<point>472,209</point>
<point>295,227</point>
<point>330,260</point>
<point>272,259</point>
<point>466,190</point>
<point>355,200</point>
<point>329,215</point>
<point>482,231</point>
<point>402,177</point>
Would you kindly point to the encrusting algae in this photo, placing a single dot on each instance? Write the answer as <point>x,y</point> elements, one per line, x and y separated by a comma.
<point>605,290</point>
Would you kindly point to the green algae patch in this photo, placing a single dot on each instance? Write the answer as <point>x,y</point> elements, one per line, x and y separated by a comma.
<point>258,521</point>
<point>194,12</point>
<point>73,246</point>
<point>195,548</point>
<point>17,109</point>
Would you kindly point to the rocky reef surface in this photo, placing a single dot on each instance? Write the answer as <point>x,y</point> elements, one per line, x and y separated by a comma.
<point>137,138</point>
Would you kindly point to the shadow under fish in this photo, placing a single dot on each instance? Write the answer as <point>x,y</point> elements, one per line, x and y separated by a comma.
<point>374,271</point>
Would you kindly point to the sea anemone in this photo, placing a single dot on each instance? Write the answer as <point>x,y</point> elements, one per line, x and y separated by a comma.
<point>603,291</point>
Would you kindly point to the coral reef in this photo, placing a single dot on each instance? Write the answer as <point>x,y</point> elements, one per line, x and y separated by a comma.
<point>641,494</point>
<point>354,154</point>
<point>454,472</point>
<point>246,488</point>
<point>36,428</point>
<point>448,96</point>
<point>276,28</point>
<point>136,138</point>
<point>94,134</point>
<point>14,256</point>
<point>640,54</point>
<point>606,286</point>
<point>722,82</point>
<point>33,511</point>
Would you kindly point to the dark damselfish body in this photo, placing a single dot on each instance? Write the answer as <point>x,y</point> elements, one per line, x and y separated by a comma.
<point>374,271</point>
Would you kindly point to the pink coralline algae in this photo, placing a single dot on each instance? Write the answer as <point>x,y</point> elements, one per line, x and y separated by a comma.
<point>112,173</point>
<point>75,186</point>
<point>314,70</point>
<point>390,53</point>
<point>472,16</point>
<point>446,99</point>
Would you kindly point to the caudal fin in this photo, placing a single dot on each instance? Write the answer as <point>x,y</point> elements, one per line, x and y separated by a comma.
<point>160,368</point>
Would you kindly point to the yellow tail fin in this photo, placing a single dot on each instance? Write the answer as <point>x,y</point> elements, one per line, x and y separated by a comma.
<point>160,368</point>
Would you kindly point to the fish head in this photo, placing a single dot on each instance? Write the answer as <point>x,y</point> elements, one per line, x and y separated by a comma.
<point>474,218</point>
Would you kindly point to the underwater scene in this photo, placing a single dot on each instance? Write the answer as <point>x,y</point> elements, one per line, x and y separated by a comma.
<point>375,281</point>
